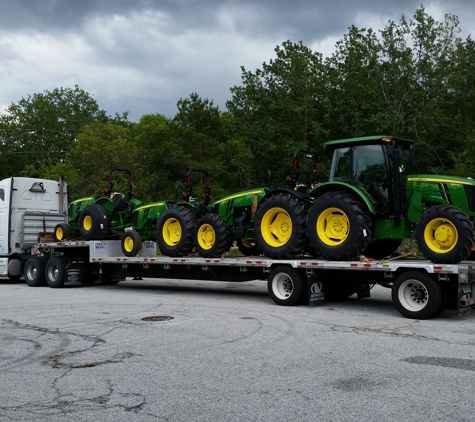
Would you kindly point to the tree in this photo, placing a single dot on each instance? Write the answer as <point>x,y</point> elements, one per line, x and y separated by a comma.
<point>39,130</point>
<point>97,149</point>
<point>279,107</point>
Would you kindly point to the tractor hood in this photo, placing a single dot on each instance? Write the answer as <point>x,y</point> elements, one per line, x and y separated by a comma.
<point>431,178</point>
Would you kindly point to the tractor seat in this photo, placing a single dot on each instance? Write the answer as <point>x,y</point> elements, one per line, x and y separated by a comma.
<point>120,203</point>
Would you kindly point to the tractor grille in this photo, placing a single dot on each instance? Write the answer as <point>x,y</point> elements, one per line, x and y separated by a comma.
<point>470,194</point>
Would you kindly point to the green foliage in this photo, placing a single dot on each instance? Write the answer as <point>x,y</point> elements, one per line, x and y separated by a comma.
<point>414,78</point>
<point>97,149</point>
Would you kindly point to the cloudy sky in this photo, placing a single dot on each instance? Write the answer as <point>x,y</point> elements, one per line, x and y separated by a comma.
<point>142,56</point>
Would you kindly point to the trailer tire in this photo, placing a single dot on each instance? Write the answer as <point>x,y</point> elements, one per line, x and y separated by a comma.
<point>131,243</point>
<point>416,295</point>
<point>55,271</point>
<point>445,234</point>
<point>94,222</point>
<point>382,248</point>
<point>175,231</point>
<point>61,232</point>
<point>279,226</point>
<point>338,227</point>
<point>35,271</point>
<point>287,286</point>
<point>211,236</point>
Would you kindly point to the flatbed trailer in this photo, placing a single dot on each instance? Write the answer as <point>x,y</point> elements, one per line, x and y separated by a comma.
<point>420,289</point>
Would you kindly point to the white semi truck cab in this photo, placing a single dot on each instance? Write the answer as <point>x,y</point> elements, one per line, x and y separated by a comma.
<point>28,206</point>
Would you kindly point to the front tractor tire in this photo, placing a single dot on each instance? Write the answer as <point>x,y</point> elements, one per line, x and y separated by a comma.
<point>279,227</point>
<point>338,227</point>
<point>445,234</point>
<point>62,232</point>
<point>131,243</point>
<point>211,236</point>
<point>175,232</point>
<point>94,222</point>
<point>416,295</point>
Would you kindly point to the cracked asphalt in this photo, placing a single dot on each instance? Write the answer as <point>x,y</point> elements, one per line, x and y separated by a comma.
<point>217,351</point>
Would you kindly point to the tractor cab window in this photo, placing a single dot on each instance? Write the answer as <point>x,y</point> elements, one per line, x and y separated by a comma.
<point>341,165</point>
<point>406,160</point>
<point>369,173</point>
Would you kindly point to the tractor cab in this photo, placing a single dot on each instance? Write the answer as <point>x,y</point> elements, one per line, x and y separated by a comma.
<point>368,164</point>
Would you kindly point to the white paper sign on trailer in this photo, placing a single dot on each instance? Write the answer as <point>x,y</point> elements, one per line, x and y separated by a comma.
<point>28,206</point>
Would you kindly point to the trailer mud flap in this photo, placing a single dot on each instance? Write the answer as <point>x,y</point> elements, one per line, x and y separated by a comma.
<point>466,290</point>
<point>316,290</point>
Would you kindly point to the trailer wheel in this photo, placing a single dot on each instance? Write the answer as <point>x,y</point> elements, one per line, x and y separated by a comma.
<point>35,271</point>
<point>131,243</point>
<point>279,227</point>
<point>211,236</point>
<point>55,271</point>
<point>338,227</point>
<point>175,231</point>
<point>94,222</point>
<point>445,234</point>
<point>61,232</point>
<point>416,295</point>
<point>286,286</point>
<point>247,248</point>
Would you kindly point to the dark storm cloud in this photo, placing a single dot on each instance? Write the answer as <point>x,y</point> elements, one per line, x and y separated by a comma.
<point>303,19</point>
<point>144,55</point>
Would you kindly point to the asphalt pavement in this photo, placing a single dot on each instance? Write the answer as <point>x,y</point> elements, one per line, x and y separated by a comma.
<point>163,350</point>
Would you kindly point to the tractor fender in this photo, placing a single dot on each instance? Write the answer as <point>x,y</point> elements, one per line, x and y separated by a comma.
<point>326,187</point>
<point>301,196</point>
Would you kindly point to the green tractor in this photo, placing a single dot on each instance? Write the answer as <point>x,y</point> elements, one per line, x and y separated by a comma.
<point>374,199</point>
<point>174,230</point>
<point>95,217</point>
<point>278,213</point>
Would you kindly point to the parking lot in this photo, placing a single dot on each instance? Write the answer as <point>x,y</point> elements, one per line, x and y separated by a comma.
<point>212,351</point>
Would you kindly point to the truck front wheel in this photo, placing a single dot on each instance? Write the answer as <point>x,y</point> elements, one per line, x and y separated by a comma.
<point>286,286</point>
<point>445,234</point>
<point>416,295</point>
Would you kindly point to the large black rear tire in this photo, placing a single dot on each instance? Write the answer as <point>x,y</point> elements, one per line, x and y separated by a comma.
<point>338,227</point>
<point>445,234</point>
<point>94,222</point>
<point>175,231</point>
<point>279,227</point>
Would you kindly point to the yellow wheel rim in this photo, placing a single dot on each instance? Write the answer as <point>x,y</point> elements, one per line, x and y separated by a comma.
<point>206,236</point>
<point>87,223</point>
<point>59,233</point>
<point>276,227</point>
<point>129,244</point>
<point>440,235</point>
<point>333,226</point>
<point>171,232</point>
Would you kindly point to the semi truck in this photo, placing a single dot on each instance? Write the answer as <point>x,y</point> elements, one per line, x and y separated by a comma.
<point>28,206</point>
